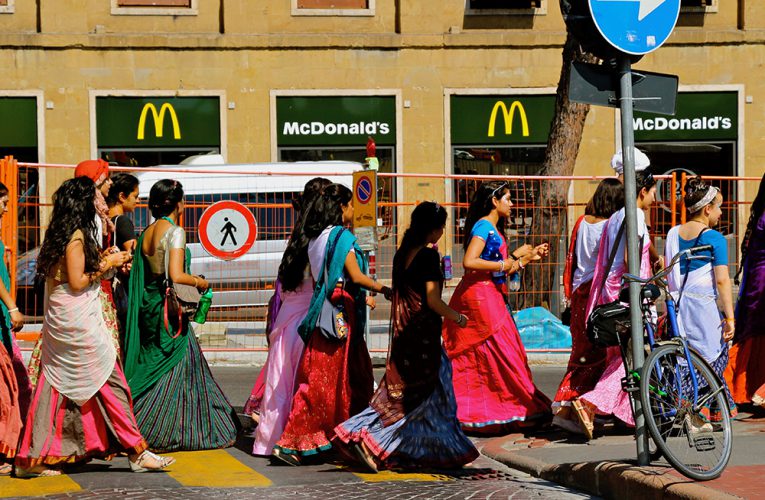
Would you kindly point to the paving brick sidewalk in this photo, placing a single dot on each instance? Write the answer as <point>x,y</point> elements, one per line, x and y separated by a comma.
<point>606,466</point>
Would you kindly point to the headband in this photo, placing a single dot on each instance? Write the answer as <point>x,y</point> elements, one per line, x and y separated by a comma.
<point>710,195</point>
<point>501,186</point>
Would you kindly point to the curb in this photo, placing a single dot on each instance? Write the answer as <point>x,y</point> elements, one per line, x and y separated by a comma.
<point>607,479</point>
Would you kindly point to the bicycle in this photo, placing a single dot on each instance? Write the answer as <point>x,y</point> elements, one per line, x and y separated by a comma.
<point>684,402</point>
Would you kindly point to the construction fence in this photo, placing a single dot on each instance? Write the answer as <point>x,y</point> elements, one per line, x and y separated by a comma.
<point>243,286</point>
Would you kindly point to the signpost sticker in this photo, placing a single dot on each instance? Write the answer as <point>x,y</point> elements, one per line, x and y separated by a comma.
<point>364,199</point>
<point>636,27</point>
<point>227,230</point>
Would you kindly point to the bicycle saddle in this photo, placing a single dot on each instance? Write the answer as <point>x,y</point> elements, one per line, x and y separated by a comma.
<point>648,292</point>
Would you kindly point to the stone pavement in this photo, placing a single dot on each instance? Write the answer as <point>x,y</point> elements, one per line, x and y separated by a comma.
<point>606,466</point>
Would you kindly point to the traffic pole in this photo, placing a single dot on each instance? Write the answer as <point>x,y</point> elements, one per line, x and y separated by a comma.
<point>633,253</point>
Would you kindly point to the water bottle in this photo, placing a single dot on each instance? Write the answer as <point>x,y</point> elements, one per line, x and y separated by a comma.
<point>205,300</point>
<point>446,263</point>
<point>515,282</point>
<point>492,248</point>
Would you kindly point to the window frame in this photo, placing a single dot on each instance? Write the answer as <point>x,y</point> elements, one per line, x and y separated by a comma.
<point>118,10</point>
<point>710,6</point>
<point>9,7</point>
<point>301,11</point>
<point>531,11</point>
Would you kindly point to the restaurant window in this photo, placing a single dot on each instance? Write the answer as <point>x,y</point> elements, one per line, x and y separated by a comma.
<point>6,6</point>
<point>155,7</point>
<point>333,7</point>
<point>492,6</point>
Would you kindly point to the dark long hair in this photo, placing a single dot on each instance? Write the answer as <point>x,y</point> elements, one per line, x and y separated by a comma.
<point>327,210</point>
<point>755,212</point>
<point>164,196</point>
<point>608,199</point>
<point>481,206</point>
<point>426,217</point>
<point>295,258</point>
<point>122,183</point>
<point>73,208</point>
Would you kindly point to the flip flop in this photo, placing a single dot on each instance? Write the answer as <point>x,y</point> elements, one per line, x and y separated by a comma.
<point>28,474</point>
<point>5,469</point>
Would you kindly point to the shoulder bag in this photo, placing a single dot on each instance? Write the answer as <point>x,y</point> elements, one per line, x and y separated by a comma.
<point>181,301</point>
<point>332,322</point>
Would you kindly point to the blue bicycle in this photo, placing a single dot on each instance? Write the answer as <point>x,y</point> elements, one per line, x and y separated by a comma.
<point>684,402</point>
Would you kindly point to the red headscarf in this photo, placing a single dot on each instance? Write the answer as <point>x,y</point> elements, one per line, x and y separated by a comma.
<point>93,169</point>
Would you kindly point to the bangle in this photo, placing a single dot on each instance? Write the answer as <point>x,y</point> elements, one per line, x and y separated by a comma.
<point>501,266</point>
<point>729,320</point>
<point>196,283</point>
<point>520,263</point>
<point>13,310</point>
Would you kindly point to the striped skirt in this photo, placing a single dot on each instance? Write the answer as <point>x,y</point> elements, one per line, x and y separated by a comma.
<point>58,431</point>
<point>185,409</point>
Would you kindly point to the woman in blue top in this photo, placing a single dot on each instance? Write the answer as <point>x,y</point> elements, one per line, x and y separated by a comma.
<point>492,379</point>
<point>697,284</point>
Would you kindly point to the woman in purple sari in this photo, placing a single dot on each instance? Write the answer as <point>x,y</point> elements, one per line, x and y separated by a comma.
<point>746,371</point>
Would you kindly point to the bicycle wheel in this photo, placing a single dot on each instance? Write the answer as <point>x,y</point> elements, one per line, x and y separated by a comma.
<point>695,446</point>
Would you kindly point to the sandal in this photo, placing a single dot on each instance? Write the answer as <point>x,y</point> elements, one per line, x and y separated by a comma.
<point>586,417</point>
<point>287,458</point>
<point>138,465</point>
<point>362,453</point>
<point>5,469</point>
<point>36,472</point>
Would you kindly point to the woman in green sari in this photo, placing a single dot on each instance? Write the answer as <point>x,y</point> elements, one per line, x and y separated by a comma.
<point>178,405</point>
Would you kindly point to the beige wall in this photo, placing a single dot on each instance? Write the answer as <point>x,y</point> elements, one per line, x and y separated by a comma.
<point>265,48</point>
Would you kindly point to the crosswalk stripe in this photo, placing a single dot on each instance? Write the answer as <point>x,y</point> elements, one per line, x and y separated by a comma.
<point>214,468</point>
<point>386,475</point>
<point>56,485</point>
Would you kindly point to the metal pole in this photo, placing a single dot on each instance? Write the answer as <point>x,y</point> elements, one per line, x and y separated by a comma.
<point>633,253</point>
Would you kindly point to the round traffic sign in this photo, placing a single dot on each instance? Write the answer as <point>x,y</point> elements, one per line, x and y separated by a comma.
<point>364,189</point>
<point>227,230</point>
<point>635,27</point>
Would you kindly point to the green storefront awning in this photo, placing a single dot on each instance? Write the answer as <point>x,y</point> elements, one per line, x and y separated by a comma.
<point>18,122</point>
<point>157,122</point>
<point>487,120</point>
<point>699,116</point>
<point>335,120</point>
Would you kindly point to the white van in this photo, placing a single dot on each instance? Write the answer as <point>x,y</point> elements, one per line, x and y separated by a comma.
<point>246,281</point>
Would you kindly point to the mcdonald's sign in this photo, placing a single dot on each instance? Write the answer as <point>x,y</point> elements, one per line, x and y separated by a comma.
<point>508,116</point>
<point>146,122</point>
<point>485,120</point>
<point>159,120</point>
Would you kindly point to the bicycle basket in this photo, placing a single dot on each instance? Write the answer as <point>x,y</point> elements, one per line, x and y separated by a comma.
<point>608,323</point>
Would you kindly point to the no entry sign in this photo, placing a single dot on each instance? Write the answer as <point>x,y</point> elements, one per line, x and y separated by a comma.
<point>227,230</point>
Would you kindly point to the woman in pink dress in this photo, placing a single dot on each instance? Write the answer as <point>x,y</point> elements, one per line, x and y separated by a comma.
<point>492,379</point>
<point>285,345</point>
<point>607,398</point>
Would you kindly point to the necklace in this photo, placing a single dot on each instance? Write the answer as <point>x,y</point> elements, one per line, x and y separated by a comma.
<point>700,222</point>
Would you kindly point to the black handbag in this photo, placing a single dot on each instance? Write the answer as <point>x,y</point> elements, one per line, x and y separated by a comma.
<point>608,322</point>
<point>332,322</point>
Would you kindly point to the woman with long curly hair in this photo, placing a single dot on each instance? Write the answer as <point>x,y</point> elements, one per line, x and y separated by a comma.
<point>81,407</point>
<point>746,371</point>
<point>412,421</point>
<point>334,379</point>
<point>285,345</point>
<point>492,378</point>
<point>178,404</point>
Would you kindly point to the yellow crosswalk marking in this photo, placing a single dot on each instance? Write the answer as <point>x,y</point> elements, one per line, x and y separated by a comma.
<point>386,475</point>
<point>213,468</point>
<point>56,485</point>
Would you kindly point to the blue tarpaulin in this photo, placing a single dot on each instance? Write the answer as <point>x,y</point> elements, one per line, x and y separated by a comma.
<point>540,329</point>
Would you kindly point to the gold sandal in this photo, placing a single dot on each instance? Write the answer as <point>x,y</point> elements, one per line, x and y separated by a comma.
<point>586,417</point>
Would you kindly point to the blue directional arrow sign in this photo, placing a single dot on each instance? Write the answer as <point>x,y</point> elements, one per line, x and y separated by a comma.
<point>635,26</point>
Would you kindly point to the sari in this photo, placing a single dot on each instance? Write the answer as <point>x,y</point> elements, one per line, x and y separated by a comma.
<point>334,379</point>
<point>412,418</point>
<point>178,405</point>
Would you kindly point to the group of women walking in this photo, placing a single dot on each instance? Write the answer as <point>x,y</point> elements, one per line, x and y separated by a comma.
<point>112,375</point>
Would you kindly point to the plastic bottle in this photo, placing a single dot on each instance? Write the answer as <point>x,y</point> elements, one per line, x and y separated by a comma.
<point>205,300</point>
<point>515,282</point>
<point>492,247</point>
<point>446,262</point>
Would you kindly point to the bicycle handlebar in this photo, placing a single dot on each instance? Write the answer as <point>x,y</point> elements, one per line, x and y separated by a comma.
<point>688,253</point>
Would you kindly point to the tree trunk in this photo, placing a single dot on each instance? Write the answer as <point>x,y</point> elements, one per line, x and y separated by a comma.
<point>549,214</point>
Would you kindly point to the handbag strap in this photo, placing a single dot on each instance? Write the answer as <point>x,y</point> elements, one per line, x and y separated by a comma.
<point>613,254</point>
<point>167,250</point>
<point>328,257</point>
<point>167,284</point>
<point>688,271</point>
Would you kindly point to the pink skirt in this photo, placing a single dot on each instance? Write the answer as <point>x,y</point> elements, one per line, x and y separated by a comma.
<point>58,431</point>
<point>607,397</point>
<point>493,385</point>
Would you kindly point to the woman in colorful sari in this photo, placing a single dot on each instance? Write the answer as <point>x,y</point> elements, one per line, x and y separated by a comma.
<point>607,397</point>
<point>746,369</point>
<point>412,419</point>
<point>295,288</point>
<point>587,362</point>
<point>81,408</point>
<point>334,379</point>
<point>12,369</point>
<point>696,284</point>
<point>492,379</point>
<point>178,404</point>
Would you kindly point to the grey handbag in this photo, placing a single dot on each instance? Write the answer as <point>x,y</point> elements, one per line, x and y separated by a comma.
<point>331,321</point>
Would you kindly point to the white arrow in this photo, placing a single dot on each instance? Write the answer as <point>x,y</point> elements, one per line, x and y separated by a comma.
<point>646,6</point>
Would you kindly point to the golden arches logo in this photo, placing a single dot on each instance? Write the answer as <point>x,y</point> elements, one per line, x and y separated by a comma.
<point>159,120</point>
<point>508,116</point>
